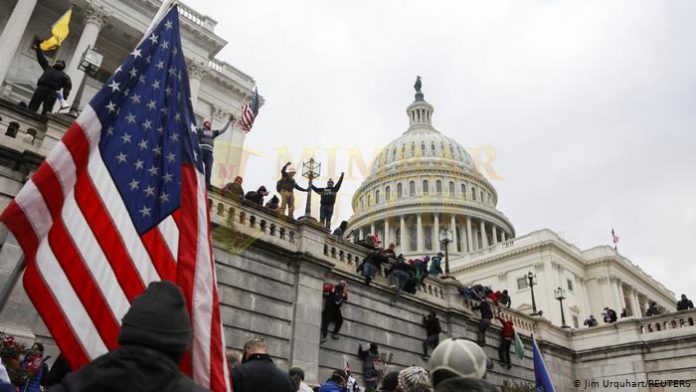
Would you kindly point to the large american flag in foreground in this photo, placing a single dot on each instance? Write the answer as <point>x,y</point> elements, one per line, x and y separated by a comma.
<point>121,202</point>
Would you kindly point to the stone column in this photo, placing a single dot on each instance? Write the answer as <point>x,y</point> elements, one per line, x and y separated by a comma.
<point>462,238</point>
<point>402,234</point>
<point>387,236</point>
<point>504,235</point>
<point>469,246</point>
<point>622,300</point>
<point>372,229</point>
<point>95,17</point>
<point>435,233</point>
<point>484,238</point>
<point>494,230</point>
<point>197,70</point>
<point>419,232</point>
<point>455,235</point>
<point>360,233</point>
<point>12,34</point>
<point>637,310</point>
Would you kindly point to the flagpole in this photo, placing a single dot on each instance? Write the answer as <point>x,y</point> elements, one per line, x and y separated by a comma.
<point>164,8</point>
<point>12,280</point>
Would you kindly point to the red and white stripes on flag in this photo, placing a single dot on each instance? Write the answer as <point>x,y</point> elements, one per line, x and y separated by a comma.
<point>86,263</point>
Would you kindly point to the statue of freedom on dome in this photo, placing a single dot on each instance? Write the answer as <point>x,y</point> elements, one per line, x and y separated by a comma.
<point>418,84</point>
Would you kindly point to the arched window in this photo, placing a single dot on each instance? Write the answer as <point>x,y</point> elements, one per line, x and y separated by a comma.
<point>482,199</point>
<point>473,193</point>
<point>387,193</point>
<point>426,187</point>
<point>368,201</point>
<point>464,191</point>
<point>438,187</point>
<point>411,188</point>
<point>399,190</point>
<point>451,188</point>
<point>377,197</point>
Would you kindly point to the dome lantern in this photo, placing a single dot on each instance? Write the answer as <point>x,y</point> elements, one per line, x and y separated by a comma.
<point>419,112</point>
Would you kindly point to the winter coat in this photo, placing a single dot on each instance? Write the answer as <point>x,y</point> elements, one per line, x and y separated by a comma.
<point>508,328</point>
<point>432,325</point>
<point>233,189</point>
<point>206,137</point>
<point>129,369</point>
<point>328,195</point>
<point>330,386</point>
<point>33,384</point>
<point>287,183</point>
<point>336,297</point>
<point>485,309</point>
<point>435,266</point>
<point>256,196</point>
<point>685,304</point>
<point>260,374</point>
<point>459,384</point>
<point>504,300</point>
<point>59,370</point>
<point>53,78</point>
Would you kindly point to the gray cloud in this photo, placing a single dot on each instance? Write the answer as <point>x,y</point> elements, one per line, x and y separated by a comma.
<point>588,105</point>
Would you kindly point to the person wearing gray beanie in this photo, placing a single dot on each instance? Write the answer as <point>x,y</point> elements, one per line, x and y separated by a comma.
<point>459,365</point>
<point>155,334</point>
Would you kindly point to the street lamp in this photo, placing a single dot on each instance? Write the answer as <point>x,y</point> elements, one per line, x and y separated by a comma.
<point>532,281</point>
<point>560,295</point>
<point>445,239</point>
<point>90,63</point>
<point>310,170</point>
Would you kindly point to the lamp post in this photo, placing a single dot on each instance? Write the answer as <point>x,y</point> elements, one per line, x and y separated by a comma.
<point>560,295</point>
<point>90,63</point>
<point>310,170</point>
<point>445,237</point>
<point>532,281</point>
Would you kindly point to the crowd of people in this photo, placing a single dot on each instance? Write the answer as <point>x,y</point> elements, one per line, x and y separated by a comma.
<point>285,186</point>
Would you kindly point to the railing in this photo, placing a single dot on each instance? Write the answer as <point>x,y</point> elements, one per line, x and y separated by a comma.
<point>196,17</point>
<point>671,321</point>
<point>257,223</point>
<point>20,129</point>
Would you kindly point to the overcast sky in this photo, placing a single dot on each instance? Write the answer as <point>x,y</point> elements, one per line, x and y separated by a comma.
<point>587,105</point>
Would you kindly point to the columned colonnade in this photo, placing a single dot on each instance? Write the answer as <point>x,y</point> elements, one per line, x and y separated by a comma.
<point>419,233</point>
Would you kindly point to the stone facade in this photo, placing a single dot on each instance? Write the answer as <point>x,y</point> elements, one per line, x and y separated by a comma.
<point>113,28</point>
<point>271,271</point>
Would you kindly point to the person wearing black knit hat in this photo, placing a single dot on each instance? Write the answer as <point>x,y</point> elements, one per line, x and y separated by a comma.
<point>155,334</point>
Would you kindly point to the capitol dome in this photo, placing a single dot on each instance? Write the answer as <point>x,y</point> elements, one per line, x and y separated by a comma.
<point>424,182</point>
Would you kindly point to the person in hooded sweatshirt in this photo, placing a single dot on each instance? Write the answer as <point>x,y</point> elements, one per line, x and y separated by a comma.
<point>155,334</point>
<point>51,81</point>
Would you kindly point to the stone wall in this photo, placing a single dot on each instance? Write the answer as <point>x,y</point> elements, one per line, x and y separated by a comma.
<point>271,271</point>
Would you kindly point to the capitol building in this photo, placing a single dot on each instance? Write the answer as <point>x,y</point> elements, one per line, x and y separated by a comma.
<point>424,185</point>
<point>422,188</point>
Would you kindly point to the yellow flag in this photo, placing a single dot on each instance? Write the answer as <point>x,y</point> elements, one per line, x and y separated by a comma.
<point>59,31</point>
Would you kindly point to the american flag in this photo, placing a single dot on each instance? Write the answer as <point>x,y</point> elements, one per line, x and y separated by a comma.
<point>614,238</point>
<point>249,112</point>
<point>118,203</point>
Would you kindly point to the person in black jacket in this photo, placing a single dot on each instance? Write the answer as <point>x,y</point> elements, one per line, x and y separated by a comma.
<point>257,196</point>
<point>432,329</point>
<point>328,199</point>
<point>52,80</point>
<point>685,303</point>
<point>257,373</point>
<point>59,370</point>
<point>155,334</point>
<point>486,316</point>
<point>332,310</point>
